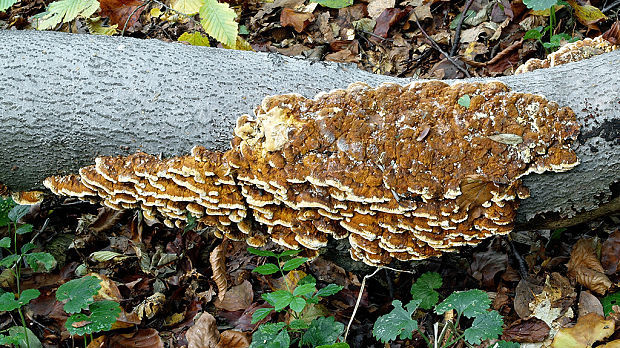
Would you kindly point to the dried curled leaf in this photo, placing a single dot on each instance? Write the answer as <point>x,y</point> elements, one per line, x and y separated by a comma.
<point>589,329</point>
<point>204,333</point>
<point>233,339</point>
<point>217,258</point>
<point>585,267</point>
<point>237,298</point>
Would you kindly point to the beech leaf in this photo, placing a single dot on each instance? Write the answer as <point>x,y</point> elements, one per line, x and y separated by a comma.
<point>218,20</point>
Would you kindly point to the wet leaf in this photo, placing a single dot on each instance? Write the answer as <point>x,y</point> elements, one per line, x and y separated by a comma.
<point>102,315</point>
<point>204,333</point>
<point>585,267</point>
<point>217,259</point>
<point>589,329</point>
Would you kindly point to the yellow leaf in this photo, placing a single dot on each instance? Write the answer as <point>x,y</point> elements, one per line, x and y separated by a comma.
<point>587,14</point>
<point>95,27</point>
<point>589,329</point>
<point>194,39</point>
<point>218,20</point>
<point>155,12</point>
<point>188,7</point>
<point>242,45</point>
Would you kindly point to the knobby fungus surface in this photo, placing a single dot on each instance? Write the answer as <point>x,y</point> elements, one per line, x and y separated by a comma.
<point>404,172</point>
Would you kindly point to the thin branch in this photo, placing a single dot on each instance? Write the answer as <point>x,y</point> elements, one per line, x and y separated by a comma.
<point>436,46</point>
<point>359,299</point>
<point>457,34</point>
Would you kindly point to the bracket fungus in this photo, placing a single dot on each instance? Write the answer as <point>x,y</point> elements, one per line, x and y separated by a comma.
<point>404,172</point>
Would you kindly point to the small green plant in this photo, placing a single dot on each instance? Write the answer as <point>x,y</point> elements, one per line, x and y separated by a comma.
<point>610,301</point>
<point>472,304</point>
<point>79,294</point>
<point>555,40</point>
<point>313,331</point>
<point>10,213</point>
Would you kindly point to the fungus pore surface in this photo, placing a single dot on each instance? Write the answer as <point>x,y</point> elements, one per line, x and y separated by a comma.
<point>403,172</point>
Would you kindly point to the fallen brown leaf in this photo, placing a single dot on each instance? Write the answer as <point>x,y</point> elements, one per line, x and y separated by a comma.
<point>233,339</point>
<point>139,339</point>
<point>119,10</point>
<point>204,333</point>
<point>530,330</point>
<point>298,20</point>
<point>217,258</point>
<point>486,265</point>
<point>588,330</point>
<point>610,252</point>
<point>388,17</point>
<point>236,298</point>
<point>585,267</point>
<point>588,303</point>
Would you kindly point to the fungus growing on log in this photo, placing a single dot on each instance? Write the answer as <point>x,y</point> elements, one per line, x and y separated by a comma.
<point>404,172</point>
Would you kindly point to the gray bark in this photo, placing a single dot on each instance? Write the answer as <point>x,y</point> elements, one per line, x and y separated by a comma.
<point>65,99</point>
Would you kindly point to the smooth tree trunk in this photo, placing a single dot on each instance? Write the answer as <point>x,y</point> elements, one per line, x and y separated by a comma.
<point>65,99</point>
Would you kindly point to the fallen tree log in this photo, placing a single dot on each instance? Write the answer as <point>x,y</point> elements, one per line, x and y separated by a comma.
<point>68,98</point>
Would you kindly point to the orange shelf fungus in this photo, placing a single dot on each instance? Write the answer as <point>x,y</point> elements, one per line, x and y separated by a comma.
<point>404,172</point>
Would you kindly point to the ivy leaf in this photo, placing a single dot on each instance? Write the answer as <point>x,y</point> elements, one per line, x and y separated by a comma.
<point>194,39</point>
<point>35,260</point>
<point>322,330</point>
<point>609,301</point>
<point>218,20</point>
<point>397,323</point>
<point>539,5</point>
<point>261,252</point>
<point>469,303</point>
<point>271,336</point>
<point>305,289</point>
<point>102,315</point>
<point>65,11</point>
<point>329,290</point>
<point>18,212</point>
<point>279,299</point>
<point>487,325</point>
<point>294,263</point>
<point>79,293</point>
<point>187,7</point>
<point>268,268</point>
<point>424,289</point>
<point>260,314</point>
<point>298,304</point>
<point>334,3</point>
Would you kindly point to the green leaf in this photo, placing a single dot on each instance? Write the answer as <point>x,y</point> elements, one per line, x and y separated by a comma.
<point>218,20</point>
<point>102,315</point>
<point>261,252</point>
<point>28,295</point>
<point>9,260</point>
<point>322,330</point>
<point>397,323</point>
<point>5,242</point>
<point>329,290</point>
<point>18,332</point>
<point>290,252</point>
<point>188,7</point>
<point>298,324</point>
<point>18,212</point>
<point>424,289</point>
<point>271,335</point>
<point>334,3</point>
<point>279,299</point>
<point>8,302</point>
<point>268,268</point>
<point>335,345</point>
<point>504,344</point>
<point>539,5</point>
<point>65,11</point>
<point>35,260</point>
<point>5,206</point>
<point>609,301</point>
<point>297,304</point>
<point>487,325</point>
<point>464,101</point>
<point>23,229</point>
<point>79,293</point>
<point>294,263</point>
<point>533,34</point>
<point>194,39</point>
<point>469,303</point>
<point>27,247</point>
<point>107,255</point>
<point>305,289</point>
<point>12,339</point>
<point>260,314</point>
<point>307,280</point>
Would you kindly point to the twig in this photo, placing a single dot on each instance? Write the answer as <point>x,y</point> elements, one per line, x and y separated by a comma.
<point>520,261</point>
<point>359,299</point>
<point>436,46</point>
<point>613,4</point>
<point>131,15</point>
<point>457,34</point>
